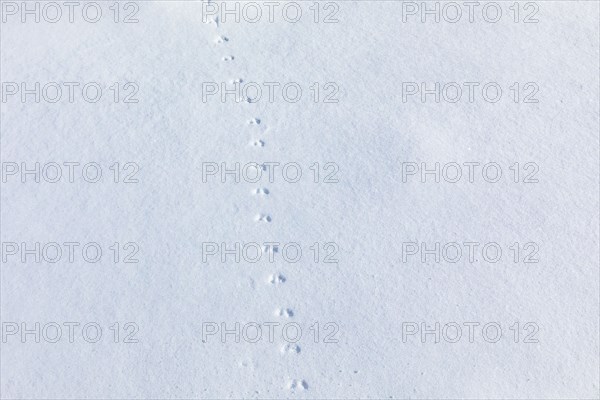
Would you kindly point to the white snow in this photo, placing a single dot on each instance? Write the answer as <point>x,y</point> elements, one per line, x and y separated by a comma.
<point>365,212</point>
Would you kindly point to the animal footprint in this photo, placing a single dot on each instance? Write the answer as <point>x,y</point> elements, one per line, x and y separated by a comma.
<point>214,20</point>
<point>258,143</point>
<point>271,249</point>
<point>228,58</point>
<point>222,39</point>
<point>254,121</point>
<point>299,384</point>
<point>239,80</point>
<point>276,279</point>
<point>262,191</point>
<point>291,348</point>
<point>263,218</point>
<point>284,312</point>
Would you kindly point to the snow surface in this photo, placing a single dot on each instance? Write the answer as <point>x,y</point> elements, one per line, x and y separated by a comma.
<point>370,293</point>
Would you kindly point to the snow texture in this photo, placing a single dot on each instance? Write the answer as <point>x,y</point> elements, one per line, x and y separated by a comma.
<point>386,278</point>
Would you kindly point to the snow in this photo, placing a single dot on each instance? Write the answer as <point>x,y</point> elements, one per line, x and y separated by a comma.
<point>360,222</point>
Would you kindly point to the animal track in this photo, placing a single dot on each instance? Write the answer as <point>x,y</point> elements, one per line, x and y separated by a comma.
<point>263,218</point>
<point>291,348</point>
<point>262,191</point>
<point>214,20</point>
<point>299,384</point>
<point>276,279</point>
<point>284,312</point>
<point>271,249</point>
